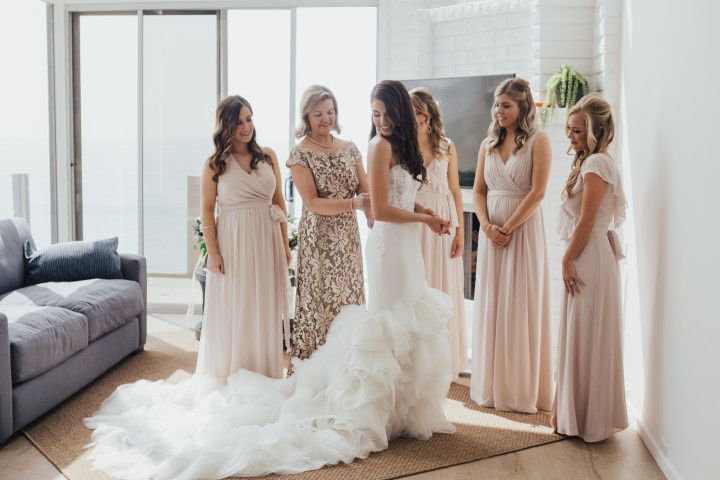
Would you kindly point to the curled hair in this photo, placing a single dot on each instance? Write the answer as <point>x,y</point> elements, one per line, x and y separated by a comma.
<point>424,102</point>
<point>599,128</point>
<point>226,123</point>
<point>403,139</point>
<point>312,96</point>
<point>519,91</point>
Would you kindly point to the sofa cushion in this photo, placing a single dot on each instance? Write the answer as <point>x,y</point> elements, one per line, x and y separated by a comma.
<point>71,261</point>
<point>107,304</point>
<point>14,232</point>
<point>42,337</point>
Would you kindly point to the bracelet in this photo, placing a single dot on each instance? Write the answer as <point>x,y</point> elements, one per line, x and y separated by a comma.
<point>352,207</point>
<point>206,227</point>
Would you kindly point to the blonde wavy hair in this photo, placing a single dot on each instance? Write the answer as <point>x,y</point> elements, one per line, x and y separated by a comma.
<point>600,129</point>
<point>519,91</point>
<point>424,102</point>
<point>313,95</point>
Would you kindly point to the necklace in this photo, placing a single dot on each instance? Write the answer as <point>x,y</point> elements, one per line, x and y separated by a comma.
<point>332,142</point>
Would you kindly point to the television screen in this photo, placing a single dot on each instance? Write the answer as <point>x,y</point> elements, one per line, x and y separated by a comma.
<point>466,105</point>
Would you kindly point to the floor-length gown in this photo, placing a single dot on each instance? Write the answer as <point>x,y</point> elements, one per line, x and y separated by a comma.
<point>329,262</point>
<point>441,271</point>
<point>512,345</point>
<point>383,372</point>
<point>245,308</point>
<point>590,399</point>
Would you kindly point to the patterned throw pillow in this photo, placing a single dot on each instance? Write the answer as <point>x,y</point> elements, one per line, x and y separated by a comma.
<point>70,261</point>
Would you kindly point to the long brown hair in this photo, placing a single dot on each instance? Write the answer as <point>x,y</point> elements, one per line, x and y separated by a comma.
<point>403,139</point>
<point>599,128</point>
<point>518,90</point>
<point>423,101</point>
<point>227,115</point>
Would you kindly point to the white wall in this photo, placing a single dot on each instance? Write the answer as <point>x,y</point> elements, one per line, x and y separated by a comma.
<point>669,74</point>
<point>477,38</point>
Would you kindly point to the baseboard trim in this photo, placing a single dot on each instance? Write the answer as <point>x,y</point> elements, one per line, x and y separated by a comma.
<point>653,445</point>
<point>172,308</point>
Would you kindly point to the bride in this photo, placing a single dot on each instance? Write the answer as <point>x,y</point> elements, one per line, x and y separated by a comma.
<point>383,372</point>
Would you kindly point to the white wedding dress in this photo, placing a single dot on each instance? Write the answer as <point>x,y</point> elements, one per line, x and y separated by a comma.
<point>383,372</point>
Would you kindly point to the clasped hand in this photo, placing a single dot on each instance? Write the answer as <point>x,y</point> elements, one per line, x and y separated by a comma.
<point>499,236</point>
<point>436,224</point>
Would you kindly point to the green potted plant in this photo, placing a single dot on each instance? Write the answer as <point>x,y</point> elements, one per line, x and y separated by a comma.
<point>564,89</point>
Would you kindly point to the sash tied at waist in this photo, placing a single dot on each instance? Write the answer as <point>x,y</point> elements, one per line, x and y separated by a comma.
<point>506,193</point>
<point>276,213</point>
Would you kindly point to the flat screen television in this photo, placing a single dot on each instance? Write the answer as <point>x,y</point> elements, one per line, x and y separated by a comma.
<point>466,105</point>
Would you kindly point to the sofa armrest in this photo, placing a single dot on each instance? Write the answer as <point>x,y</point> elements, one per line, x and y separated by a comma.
<point>134,268</point>
<point>6,414</point>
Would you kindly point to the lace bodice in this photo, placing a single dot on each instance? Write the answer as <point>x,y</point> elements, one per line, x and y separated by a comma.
<point>403,189</point>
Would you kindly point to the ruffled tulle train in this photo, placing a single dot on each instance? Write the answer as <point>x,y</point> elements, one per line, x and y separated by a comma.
<point>377,377</point>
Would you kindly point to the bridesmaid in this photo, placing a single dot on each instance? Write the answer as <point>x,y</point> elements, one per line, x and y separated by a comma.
<point>329,175</point>
<point>590,398</point>
<point>248,254</point>
<point>442,254</point>
<point>512,347</point>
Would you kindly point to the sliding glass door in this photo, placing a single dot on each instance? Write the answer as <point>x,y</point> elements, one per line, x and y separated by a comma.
<point>179,93</point>
<point>146,84</point>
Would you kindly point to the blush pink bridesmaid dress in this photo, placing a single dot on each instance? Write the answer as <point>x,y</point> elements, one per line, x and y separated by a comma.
<point>590,398</point>
<point>512,344</point>
<point>245,308</point>
<point>442,272</point>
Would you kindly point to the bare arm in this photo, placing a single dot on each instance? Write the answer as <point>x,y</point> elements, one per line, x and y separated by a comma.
<point>480,190</point>
<point>454,183</point>
<point>278,198</point>
<point>364,192</point>
<point>305,183</point>
<point>379,161</point>
<point>592,195</point>
<point>208,196</point>
<point>541,163</point>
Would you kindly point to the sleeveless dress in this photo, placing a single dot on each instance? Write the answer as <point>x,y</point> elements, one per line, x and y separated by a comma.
<point>512,344</point>
<point>245,308</point>
<point>441,271</point>
<point>383,372</point>
<point>329,262</point>
<point>590,398</point>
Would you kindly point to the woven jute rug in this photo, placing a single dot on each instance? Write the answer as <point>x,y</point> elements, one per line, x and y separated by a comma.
<point>481,432</point>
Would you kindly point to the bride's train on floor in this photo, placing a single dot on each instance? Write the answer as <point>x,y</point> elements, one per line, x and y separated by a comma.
<point>379,376</point>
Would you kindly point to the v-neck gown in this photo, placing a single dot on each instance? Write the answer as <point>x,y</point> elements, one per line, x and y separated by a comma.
<point>245,308</point>
<point>512,345</point>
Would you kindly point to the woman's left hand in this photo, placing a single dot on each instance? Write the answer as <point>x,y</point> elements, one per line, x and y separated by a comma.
<point>570,278</point>
<point>458,245</point>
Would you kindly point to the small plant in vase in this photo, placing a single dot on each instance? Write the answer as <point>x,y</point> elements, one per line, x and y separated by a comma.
<point>564,89</point>
<point>292,243</point>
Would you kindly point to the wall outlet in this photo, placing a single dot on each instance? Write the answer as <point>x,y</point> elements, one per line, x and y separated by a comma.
<point>664,447</point>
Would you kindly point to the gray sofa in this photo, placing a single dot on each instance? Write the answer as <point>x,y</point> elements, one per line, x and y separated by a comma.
<point>57,337</point>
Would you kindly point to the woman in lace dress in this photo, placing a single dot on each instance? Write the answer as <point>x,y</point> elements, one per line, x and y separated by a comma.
<point>442,254</point>
<point>512,346</point>
<point>329,174</point>
<point>590,398</point>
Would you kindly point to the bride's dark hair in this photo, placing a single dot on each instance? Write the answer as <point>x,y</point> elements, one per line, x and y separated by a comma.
<point>403,139</point>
